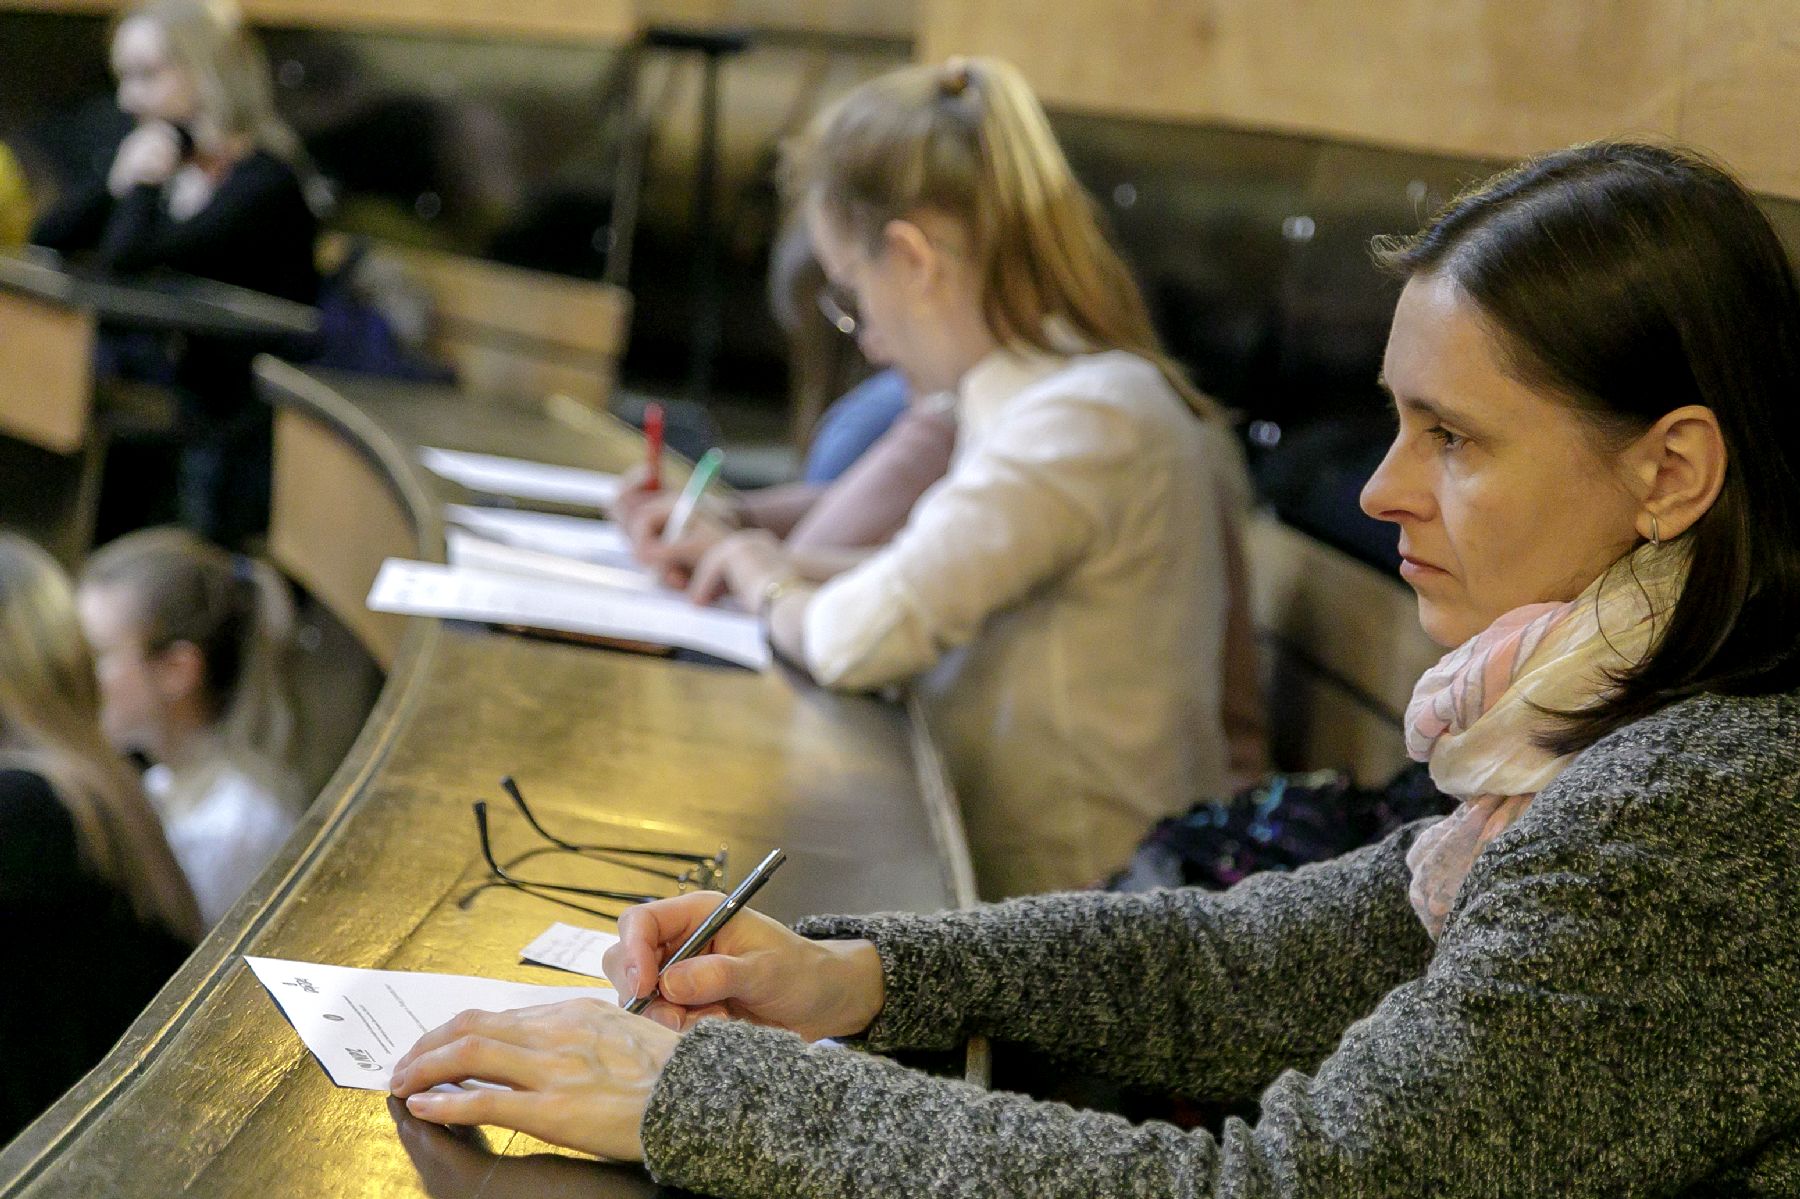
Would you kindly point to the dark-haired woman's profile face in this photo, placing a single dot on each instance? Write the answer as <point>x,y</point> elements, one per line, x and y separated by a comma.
<point>1504,495</point>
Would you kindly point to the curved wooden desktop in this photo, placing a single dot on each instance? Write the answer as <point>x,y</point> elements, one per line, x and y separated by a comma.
<point>211,1093</point>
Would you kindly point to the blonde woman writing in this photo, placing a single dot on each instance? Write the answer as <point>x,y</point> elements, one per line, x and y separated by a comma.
<point>1059,598</point>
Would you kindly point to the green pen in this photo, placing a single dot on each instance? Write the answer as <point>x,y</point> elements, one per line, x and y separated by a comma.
<point>689,499</point>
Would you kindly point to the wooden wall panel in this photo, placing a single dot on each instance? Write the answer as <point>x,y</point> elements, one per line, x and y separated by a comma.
<point>1483,78</point>
<point>1742,100</point>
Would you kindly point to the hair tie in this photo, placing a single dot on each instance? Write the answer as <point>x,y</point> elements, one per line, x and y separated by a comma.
<point>955,79</point>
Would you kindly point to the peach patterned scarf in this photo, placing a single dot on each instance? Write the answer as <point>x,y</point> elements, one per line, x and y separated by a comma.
<point>1473,716</point>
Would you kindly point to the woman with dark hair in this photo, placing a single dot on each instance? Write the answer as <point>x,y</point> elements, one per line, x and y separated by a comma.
<point>1582,982</point>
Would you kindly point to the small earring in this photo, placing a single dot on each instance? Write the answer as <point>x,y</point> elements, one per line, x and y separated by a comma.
<point>1655,531</point>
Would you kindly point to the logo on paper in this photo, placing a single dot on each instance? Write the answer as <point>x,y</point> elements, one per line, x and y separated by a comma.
<point>304,985</point>
<point>362,1058</point>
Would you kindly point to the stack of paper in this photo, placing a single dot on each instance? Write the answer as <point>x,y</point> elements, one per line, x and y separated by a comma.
<point>659,618</point>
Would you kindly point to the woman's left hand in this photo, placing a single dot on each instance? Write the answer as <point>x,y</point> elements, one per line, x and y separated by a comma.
<point>742,564</point>
<point>581,1074</point>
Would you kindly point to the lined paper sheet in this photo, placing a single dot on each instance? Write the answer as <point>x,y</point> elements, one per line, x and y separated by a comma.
<point>465,593</point>
<point>522,479</point>
<point>358,1022</point>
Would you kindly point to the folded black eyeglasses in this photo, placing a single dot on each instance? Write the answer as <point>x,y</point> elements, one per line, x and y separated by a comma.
<point>701,871</point>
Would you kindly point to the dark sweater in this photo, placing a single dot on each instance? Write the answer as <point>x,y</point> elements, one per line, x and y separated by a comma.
<point>76,964</point>
<point>1613,1009</point>
<point>256,232</point>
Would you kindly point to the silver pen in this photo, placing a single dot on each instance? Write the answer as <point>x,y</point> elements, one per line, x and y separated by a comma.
<point>710,926</point>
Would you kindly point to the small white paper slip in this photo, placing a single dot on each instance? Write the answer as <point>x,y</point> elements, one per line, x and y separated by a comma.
<point>358,1022</point>
<point>495,475</point>
<point>463,593</point>
<point>567,947</point>
<point>598,541</point>
<point>464,548</point>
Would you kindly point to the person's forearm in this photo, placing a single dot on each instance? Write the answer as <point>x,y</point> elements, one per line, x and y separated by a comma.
<point>777,509</point>
<point>823,564</point>
<point>1209,993</point>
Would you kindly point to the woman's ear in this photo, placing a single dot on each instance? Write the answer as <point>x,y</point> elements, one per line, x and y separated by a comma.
<point>909,250</point>
<point>1680,463</point>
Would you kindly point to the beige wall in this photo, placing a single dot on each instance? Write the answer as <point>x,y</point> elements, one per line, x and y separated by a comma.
<point>1468,77</point>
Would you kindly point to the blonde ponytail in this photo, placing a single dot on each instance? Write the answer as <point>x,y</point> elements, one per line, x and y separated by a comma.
<point>970,141</point>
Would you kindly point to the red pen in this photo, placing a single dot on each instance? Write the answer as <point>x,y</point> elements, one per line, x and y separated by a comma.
<point>653,445</point>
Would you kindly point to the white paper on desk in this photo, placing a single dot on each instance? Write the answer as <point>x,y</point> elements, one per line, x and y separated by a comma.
<point>462,593</point>
<point>358,1022</point>
<point>466,549</point>
<point>495,475</point>
<point>567,947</point>
<point>598,541</point>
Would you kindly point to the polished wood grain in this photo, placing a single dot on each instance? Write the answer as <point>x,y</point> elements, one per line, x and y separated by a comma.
<point>211,1093</point>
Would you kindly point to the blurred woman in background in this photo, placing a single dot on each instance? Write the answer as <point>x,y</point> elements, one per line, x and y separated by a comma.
<point>95,910</point>
<point>212,183</point>
<point>191,643</point>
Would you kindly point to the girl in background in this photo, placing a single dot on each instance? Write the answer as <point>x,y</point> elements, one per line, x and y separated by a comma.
<point>86,878</point>
<point>190,642</point>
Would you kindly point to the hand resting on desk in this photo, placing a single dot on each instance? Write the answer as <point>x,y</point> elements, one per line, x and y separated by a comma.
<point>582,1072</point>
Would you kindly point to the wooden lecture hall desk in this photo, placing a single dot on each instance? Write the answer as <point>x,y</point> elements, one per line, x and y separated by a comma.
<point>49,317</point>
<point>211,1092</point>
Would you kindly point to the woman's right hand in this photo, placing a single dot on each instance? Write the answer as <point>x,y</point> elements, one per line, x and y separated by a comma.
<point>755,969</point>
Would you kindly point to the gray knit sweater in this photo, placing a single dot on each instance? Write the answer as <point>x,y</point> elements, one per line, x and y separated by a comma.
<point>1613,1009</point>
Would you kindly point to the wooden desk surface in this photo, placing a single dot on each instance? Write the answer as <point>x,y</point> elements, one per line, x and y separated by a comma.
<point>211,1093</point>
